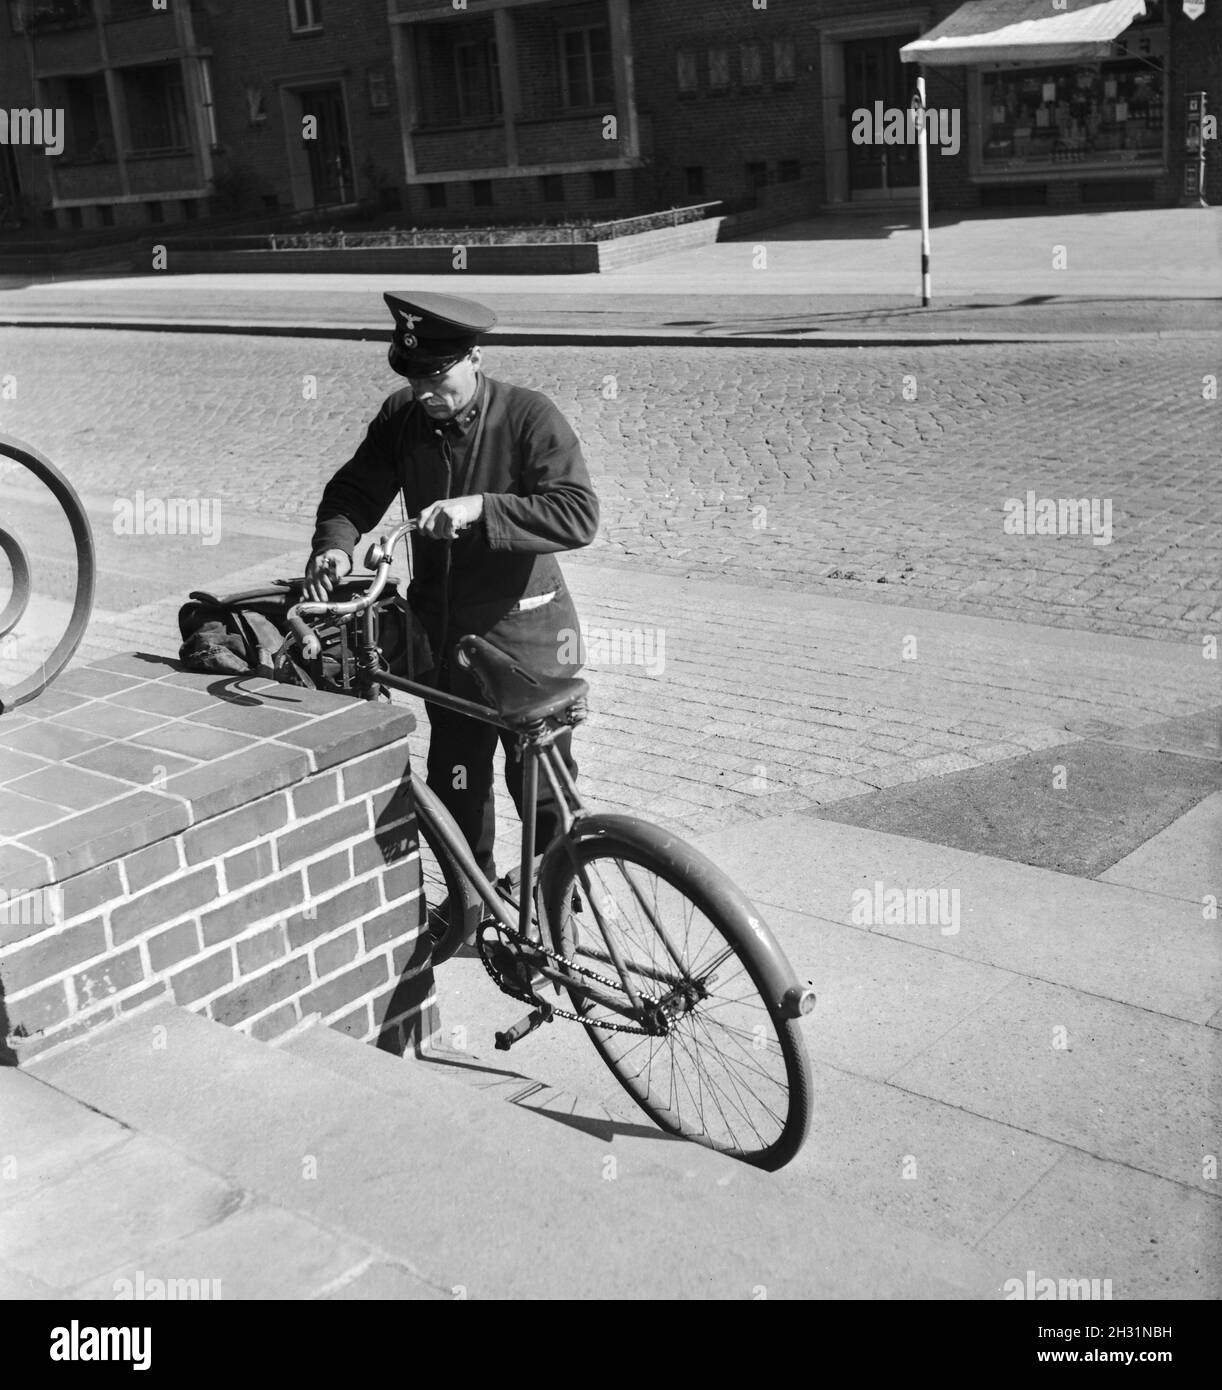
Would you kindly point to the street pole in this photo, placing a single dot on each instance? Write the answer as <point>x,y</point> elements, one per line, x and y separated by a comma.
<point>923,160</point>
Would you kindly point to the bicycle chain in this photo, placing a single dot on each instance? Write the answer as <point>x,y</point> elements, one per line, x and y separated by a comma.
<point>560,960</point>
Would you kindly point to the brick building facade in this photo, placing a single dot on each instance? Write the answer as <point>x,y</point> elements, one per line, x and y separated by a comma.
<point>473,111</point>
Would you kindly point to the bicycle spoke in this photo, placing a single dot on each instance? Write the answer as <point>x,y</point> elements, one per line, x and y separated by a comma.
<point>715,1069</point>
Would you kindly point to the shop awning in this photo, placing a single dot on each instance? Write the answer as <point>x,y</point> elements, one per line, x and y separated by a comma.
<point>1024,31</point>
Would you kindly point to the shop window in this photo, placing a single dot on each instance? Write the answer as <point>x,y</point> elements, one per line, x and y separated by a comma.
<point>687,71</point>
<point>784,61</point>
<point>719,69</point>
<point>551,188</point>
<point>1107,112</point>
<point>435,196</point>
<point>694,178</point>
<point>603,184</point>
<point>481,192</point>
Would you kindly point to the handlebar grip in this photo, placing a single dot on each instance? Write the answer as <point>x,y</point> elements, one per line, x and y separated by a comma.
<point>310,645</point>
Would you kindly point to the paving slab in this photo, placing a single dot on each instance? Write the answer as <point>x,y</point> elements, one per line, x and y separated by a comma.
<point>16,1284</point>
<point>1194,736</point>
<point>117,1207</point>
<point>925,1163</point>
<point>1152,952</point>
<point>46,1135</point>
<point>1089,1219</point>
<point>233,1259</point>
<point>1077,809</point>
<point>386,1282</point>
<point>1121,1083</point>
<point>1182,861</point>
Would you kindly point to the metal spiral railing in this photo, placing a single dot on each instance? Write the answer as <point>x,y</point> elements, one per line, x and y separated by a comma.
<point>19,563</point>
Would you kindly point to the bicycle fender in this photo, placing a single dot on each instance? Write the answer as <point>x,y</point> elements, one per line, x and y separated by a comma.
<point>720,895</point>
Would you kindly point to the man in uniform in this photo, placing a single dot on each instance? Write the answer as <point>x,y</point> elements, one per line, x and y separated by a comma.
<point>496,475</point>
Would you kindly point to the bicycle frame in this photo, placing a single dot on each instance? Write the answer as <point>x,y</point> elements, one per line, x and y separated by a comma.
<point>536,747</point>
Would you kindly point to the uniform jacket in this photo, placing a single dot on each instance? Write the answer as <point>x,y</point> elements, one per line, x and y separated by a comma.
<point>537,501</point>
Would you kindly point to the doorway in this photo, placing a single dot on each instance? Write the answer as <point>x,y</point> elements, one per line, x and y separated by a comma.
<point>328,153</point>
<point>873,73</point>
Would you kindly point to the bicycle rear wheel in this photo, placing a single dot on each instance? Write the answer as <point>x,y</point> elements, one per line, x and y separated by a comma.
<point>729,1071</point>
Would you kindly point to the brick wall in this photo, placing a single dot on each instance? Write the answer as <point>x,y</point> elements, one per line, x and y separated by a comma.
<point>245,848</point>
<point>722,131</point>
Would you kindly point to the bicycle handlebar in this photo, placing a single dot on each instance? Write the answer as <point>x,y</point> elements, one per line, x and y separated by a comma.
<point>378,559</point>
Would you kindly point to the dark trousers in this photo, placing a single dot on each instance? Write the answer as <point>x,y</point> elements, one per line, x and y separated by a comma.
<point>460,771</point>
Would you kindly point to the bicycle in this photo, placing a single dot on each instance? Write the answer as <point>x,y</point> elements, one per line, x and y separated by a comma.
<point>679,984</point>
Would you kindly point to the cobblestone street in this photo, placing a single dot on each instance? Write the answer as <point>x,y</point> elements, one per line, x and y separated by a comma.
<point>875,473</point>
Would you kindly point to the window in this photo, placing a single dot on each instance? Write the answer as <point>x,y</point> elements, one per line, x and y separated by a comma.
<point>379,94</point>
<point>719,68</point>
<point>789,170</point>
<point>752,64</point>
<point>190,209</point>
<point>757,175</point>
<point>551,187</point>
<point>586,66</point>
<point>156,108</point>
<point>481,192</point>
<point>784,60</point>
<point>156,212</point>
<point>89,135</point>
<point>106,215</point>
<point>688,80</point>
<point>478,80</point>
<point>29,16</point>
<point>693,177</point>
<point>304,16</point>
<point>205,83</point>
<point>603,181</point>
<point>435,195</point>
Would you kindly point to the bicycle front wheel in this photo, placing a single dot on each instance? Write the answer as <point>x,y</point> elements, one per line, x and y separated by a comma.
<point>707,1050</point>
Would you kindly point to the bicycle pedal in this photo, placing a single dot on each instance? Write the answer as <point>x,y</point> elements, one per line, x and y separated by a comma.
<point>535,1019</point>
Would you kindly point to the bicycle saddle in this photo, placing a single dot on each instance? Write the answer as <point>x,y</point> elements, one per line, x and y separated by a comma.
<point>519,696</point>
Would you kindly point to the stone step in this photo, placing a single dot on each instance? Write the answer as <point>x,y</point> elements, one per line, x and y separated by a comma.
<point>452,1188</point>
<point>637,1146</point>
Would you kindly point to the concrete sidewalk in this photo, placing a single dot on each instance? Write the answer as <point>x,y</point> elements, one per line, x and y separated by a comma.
<point>844,278</point>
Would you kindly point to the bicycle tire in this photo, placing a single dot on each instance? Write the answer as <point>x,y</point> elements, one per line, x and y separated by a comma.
<point>83,589</point>
<point>441,879</point>
<point>766,1131</point>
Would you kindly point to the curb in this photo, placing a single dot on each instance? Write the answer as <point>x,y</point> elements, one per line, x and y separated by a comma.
<point>589,338</point>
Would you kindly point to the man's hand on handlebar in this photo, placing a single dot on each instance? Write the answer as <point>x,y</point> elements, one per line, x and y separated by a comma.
<point>323,572</point>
